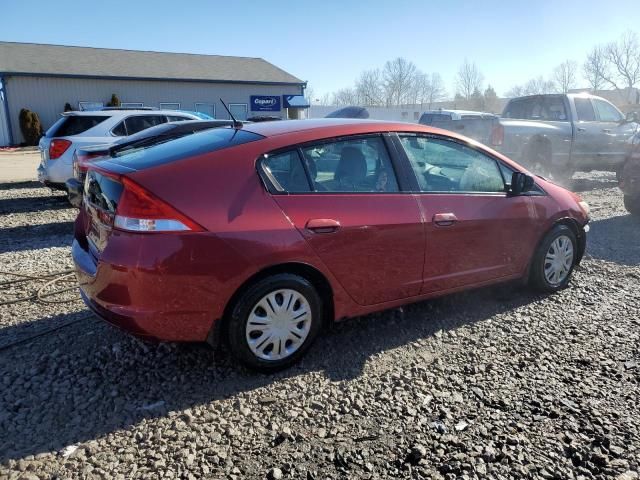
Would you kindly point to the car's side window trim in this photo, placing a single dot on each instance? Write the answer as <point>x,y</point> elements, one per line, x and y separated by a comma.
<point>271,183</point>
<point>408,166</point>
<point>269,180</point>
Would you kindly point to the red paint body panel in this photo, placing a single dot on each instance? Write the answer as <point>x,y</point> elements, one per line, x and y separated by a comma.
<point>387,250</point>
<point>492,237</point>
<point>377,252</point>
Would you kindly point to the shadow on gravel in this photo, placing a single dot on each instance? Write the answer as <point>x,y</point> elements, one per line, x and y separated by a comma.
<point>25,331</point>
<point>19,185</point>
<point>89,379</point>
<point>33,204</point>
<point>32,237</point>
<point>616,239</point>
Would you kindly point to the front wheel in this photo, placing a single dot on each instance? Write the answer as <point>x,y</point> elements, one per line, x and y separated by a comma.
<point>554,260</point>
<point>274,322</point>
<point>632,204</point>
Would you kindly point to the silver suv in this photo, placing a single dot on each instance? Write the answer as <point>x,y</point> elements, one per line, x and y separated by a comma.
<point>81,129</point>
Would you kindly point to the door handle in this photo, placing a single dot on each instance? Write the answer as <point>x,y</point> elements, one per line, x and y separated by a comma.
<point>322,225</point>
<point>444,219</point>
<point>606,130</point>
<point>582,129</point>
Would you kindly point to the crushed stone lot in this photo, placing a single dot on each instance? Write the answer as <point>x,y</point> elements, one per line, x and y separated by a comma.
<point>496,383</point>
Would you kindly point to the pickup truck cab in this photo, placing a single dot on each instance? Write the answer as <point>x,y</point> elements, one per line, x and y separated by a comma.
<point>560,134</point>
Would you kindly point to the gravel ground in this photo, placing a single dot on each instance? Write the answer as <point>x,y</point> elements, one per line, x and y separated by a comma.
<point>496,383</point>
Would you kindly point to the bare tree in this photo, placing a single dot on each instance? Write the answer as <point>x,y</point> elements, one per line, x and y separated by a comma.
<point>516,91</point>
<point>564,76</point>
<point>624,56</point>
<point>469,80</point>
<point>535,86</point>
<point>325,99</point>
<point>538,86</point>
<point>398,77</point>
<point>309,93</point>
<point>369,88</point>
<point>595,68</point>
<point>435,91</point>
<point>345,96</point>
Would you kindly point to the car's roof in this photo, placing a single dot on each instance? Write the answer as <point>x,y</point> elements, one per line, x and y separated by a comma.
<point>459,112</point>
<point>347,125</point>
<point>124,112</point>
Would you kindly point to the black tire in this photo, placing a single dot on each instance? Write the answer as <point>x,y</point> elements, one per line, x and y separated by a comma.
<point>244,306</point>
<point>537,278</point>
<point>632,204</point>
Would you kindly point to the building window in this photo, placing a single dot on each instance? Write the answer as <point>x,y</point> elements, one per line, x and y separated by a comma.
<point>416,116</point>
<point>85,106</point>
<point>239,110</point>
<point>206,108</point>
<point>131,104</point>
<point>169,106</point>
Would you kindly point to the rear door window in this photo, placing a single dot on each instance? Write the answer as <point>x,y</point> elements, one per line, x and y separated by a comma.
<point>137,123</point>
<point>584,110</point>
<point>75,125</point>
<point>358,165</point>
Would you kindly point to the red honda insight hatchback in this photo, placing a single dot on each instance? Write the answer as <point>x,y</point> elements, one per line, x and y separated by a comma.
<point>260,235</point>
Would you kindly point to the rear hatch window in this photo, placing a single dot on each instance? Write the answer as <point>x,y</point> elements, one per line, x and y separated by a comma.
<point>71,125</point>
<point>153,152</point>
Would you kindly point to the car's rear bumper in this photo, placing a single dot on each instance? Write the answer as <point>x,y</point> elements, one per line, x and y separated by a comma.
<point>152,287</point>
<point>55,172</point>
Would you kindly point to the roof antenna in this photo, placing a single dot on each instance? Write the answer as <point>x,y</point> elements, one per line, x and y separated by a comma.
<point>236,123</point>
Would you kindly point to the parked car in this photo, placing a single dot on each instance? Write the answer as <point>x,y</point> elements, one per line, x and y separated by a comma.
<point>349,112</point>
<point>81,129</point>
<point>164,132</point>
<point>555,135</point>
<point>200,115</point>
<point>629,177</point>
<point>480,126</point>
<point>248,236</point>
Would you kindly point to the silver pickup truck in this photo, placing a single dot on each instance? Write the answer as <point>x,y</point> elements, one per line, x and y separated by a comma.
<point>558,135</point>
<point>553,135</point>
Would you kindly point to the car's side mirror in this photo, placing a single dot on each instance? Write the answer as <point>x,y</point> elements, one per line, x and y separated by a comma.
<point>632,117</point>
<point>521,183</point>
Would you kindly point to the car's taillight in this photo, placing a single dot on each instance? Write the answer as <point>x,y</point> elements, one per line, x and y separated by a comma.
<point>497,135</point>
<point>57,148</point>
<point>138,210</point>
<point>82,159</point>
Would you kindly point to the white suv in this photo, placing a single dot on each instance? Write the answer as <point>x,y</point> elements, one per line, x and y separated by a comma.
<point>81,129</point>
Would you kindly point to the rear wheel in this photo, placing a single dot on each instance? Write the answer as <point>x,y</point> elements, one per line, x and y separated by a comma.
<point>274,322</point>
<point>554,260</point>
<point>632,204</point>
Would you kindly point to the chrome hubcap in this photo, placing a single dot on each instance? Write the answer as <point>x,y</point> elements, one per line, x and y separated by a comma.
<point>558,261</point>
<point>278,324</point>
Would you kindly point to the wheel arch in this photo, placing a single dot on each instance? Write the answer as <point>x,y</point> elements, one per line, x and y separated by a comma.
<point>304,270</point>
<point>571,223</point>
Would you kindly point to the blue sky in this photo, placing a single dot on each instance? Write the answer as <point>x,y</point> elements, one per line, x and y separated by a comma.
<point>329,42</point>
